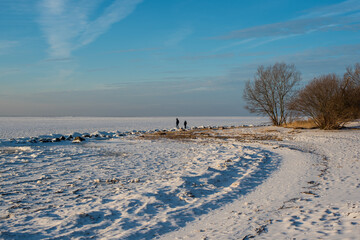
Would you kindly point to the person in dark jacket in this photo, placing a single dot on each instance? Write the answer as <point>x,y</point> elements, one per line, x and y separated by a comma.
<point>185,123</point>
<point>177,123</point>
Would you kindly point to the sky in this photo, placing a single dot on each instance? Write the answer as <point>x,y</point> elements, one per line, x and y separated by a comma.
<point>124,58</point>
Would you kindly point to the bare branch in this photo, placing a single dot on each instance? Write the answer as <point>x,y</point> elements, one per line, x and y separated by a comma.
<point>329,100</point>
<point>271,91</point>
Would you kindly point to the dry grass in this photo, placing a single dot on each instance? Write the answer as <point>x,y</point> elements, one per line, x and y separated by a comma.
<point>210,134</point>
<point>301,124</point>
<point>271,131</point>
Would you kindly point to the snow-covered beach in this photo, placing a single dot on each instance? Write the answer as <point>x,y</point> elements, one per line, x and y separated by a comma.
<point>229,183</point>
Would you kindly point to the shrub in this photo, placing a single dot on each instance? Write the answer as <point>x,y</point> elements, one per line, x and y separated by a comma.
<point>353,74</point>
<point>352,78</point>
<point>329,100</point>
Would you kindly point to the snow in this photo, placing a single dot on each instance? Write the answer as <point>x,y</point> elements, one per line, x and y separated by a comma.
<point>127,187</point>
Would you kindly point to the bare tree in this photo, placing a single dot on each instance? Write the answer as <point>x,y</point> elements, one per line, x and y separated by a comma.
<point>271,91</point>
<point>353,74</point>
<point>329,100</point>
<point>351,81</point>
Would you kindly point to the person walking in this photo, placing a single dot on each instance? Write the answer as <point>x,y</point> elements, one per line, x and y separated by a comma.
<point>185,123</point>
<point>177,123</point>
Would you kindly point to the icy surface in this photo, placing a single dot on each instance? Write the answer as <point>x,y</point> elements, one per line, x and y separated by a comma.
<point>15,127</point>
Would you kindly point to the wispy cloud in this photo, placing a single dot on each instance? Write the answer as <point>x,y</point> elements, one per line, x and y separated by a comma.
<point>5,46</point>
<point>102,69</point>
<point>333,10</point>
<point>234,44</point>
<point>343,16</point>
<point>311,62</point>
<point>178,36</point>
<point>134,50</point>
<point>325,59</point>
<point>8,71</point>
<point>17,6</point>
<point>64,59</point>
<point>271,39</point>
<point>168,86</point>
<point>68,25</point>
<point>204,57</point>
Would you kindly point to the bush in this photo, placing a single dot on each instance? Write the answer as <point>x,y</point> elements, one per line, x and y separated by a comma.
<point>329,100</point>
<point>353,74</point>
<point>352,77</point>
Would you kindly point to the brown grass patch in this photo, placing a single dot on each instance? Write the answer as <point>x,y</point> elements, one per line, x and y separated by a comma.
<point>209,134</point>
<point>271,131</point>
<point>301,124</point>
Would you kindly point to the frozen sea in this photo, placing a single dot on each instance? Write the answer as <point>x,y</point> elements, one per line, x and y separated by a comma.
<point>15,127</point>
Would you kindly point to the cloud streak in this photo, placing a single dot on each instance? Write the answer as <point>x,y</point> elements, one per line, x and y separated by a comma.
<point>178,36</point>
<point>204,57</point>
<point>311,62</point>
<point>6,45</point>
<point>67,24</point>
<point>134,50</point>
<point>343,16</point>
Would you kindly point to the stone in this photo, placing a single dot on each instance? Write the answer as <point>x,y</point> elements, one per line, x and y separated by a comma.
<point>78,139</point>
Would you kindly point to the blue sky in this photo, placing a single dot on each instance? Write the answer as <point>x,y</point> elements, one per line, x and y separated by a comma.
<point>162,57</point>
